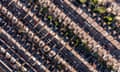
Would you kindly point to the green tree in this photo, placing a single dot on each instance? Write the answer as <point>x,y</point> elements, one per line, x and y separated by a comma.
<point>82,1</point>
<point>50,18</point>
<point>100,10</point>
<point>108,19</point>
<point>94,2</point>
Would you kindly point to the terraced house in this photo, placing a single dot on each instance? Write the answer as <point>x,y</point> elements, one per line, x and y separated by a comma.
<point>59,36</point>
